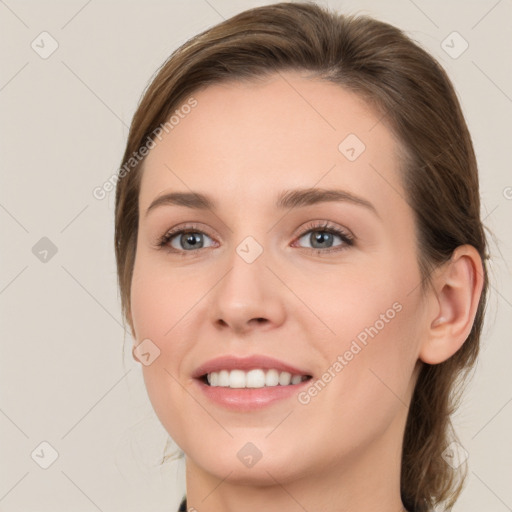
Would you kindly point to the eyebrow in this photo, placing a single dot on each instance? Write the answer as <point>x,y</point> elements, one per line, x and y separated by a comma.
<point>287,199</point>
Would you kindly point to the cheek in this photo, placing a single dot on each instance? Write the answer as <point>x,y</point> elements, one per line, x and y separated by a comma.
<point>159,304</point>
<point>350,299</point>
<point>159,312</point>
<point>368,374</point>
<point>162,299</point>
<point>374,314</point>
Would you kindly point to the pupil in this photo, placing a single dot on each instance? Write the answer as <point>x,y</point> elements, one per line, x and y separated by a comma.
<point>322,236</point>
<point>191,240</point>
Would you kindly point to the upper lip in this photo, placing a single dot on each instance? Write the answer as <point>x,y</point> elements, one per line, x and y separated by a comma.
<point>230,362</point>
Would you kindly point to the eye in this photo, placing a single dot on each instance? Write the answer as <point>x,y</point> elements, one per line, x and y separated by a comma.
<point>321,238</point>
<point>187,239</point>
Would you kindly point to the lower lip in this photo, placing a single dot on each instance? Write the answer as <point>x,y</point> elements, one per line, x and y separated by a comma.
<point>248,399</point>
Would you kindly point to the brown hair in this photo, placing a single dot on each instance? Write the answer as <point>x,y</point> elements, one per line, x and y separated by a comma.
<point>416,100</point>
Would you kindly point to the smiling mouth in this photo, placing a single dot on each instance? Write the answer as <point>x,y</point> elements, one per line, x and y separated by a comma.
<point>252,379</point>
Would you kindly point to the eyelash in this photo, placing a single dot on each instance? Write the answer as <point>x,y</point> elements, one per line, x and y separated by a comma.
<point>326,227</point>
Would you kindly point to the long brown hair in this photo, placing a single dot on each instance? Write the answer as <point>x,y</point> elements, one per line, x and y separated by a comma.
<point>416,100</point>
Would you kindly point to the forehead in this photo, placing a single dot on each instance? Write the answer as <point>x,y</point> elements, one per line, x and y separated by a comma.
<point>247,141</point>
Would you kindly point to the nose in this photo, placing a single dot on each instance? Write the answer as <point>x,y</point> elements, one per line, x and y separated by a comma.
<point>248,297</point>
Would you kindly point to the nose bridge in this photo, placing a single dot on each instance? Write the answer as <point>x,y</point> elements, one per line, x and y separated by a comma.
<point>246,281</point>
<point>247,292</point>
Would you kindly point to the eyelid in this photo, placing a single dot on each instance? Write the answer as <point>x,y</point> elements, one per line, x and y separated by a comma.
<point>323,225</point>
<point>189,227</point>
<point>345,235</point>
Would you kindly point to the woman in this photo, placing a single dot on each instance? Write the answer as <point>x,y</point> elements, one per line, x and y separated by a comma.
<point>302,263</point>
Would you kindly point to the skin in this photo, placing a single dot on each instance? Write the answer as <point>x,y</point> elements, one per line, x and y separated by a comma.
<point>242,145</point>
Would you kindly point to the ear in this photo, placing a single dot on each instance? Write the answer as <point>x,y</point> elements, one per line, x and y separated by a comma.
<point>457,289</point>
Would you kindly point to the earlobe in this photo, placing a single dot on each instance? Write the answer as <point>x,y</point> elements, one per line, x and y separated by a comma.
<point>458,287</point>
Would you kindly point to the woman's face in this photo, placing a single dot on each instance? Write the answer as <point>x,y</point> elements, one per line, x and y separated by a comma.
<point>253,278</point>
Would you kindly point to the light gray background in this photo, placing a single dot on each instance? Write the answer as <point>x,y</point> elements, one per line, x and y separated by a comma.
<point>64,122</point>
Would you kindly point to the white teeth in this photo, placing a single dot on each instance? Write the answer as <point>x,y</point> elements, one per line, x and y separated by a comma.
<point>296,379</point>
<point>223,378</point>
<point>285,378</point>
<point>256,378</point>
<point>272,378</point>
<point>237,379</point>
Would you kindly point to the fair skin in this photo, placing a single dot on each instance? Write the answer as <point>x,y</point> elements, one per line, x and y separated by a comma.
<point>242,146</point>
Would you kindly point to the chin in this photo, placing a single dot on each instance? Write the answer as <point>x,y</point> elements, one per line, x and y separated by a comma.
<point>264,472</point>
